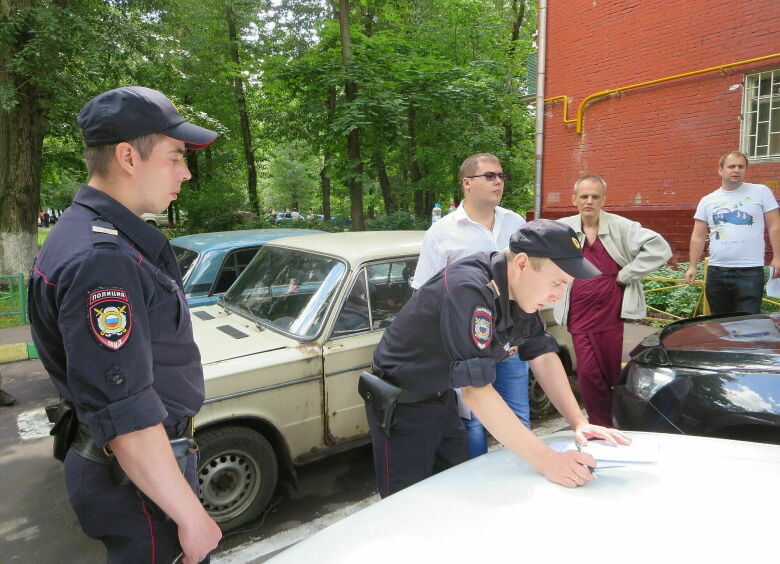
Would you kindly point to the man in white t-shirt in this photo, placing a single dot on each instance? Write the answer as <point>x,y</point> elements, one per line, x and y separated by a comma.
<point>478,224</point>
<point>735,215</point>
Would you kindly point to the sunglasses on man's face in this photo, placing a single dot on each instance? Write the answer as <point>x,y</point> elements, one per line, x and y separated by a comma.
<point>491,176</point>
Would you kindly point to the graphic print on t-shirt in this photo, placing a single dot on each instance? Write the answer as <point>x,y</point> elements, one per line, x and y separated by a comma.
<point>735,216</point>
<point>736,224</point>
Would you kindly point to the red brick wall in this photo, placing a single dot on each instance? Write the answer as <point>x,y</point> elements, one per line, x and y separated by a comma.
<point>673,222</point>
<point>656,146</point>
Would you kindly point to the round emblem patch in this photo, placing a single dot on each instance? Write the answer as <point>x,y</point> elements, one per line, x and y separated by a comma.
<point>482,326</point>
<point>576,243</point>
<point>110,317</point>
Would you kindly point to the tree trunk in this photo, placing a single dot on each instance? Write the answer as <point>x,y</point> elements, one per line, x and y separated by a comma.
<point>327,156</point>
<point>191,156</point>
<point>384,183</point>
<point>246,135</point>
<point>325,183</point>
<point>21,146</point>
<point>414,168</point>
<point>355,182</point>
<point>518,13</point>
<point>192,164</point>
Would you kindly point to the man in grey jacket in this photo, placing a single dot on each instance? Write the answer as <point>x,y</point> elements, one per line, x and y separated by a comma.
<point>593,310</point>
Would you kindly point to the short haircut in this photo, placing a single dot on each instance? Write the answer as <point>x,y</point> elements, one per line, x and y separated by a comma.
<point>733,153</point>
<point>535,262</point>
<point>592,178</point>
<point>100,157</point>
<point>470,165</point>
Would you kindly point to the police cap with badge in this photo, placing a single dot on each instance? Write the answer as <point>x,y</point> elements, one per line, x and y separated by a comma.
<point>130,112</point>
<point>546,238</point>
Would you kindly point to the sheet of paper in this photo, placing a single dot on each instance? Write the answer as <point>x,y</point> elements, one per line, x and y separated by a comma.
<point>773,285</point>
<point>641,449</point>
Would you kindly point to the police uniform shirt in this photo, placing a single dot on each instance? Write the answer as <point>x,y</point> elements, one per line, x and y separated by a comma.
<point>457,327</point>
<point>110,321</point>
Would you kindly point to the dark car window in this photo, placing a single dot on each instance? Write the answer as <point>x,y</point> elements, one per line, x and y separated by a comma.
<point>234,264</point>
<point>378,294</point>
<point>288,290</point>
<point>389,289</point>
<point>353,317</point>
<point>185,258</point>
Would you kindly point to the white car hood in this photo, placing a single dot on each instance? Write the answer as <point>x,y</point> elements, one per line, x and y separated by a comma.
<point>222,336</point>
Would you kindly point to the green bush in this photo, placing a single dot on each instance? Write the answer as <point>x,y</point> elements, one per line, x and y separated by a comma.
<point>679,301</point>
<point>397,220</point>
<point>682,301</point>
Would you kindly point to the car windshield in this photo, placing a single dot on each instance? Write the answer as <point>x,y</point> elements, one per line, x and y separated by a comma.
<point>185,258</point>
<point>288,290</point>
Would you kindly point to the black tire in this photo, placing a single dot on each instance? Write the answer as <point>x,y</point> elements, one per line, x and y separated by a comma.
<point>151,222</point>
<point>237,474</point>
<point>541,406</point>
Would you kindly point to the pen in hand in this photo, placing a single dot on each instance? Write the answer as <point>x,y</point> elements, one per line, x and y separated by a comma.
<point>592,470</point>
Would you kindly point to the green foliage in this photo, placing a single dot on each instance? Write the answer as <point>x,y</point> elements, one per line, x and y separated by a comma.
<point>397,220</point>
<point>289,179</point>
<point>213,207</point>
<point>682,301</point>
<point>437,80</point>
<point>678,301</point>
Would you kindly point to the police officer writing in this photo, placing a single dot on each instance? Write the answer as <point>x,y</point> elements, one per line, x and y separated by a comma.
<point>451,334</point>
<point>113,331</point>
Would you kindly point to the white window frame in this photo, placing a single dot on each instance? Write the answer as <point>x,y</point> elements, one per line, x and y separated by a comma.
<point>761,116</point>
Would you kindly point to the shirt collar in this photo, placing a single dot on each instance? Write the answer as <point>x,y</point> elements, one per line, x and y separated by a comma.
<point>461,215</point>
<point>577,224</point>
<point>150,241</point>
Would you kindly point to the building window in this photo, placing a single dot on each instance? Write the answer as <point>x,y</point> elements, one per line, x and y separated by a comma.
<point>761,124</point>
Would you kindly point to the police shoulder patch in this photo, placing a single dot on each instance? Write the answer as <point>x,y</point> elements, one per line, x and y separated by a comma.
<point>482,326</point>
<point>110,317</point>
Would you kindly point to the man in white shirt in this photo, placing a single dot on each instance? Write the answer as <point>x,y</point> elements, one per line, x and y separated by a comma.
<point>479,224</point>
<point>735,215</point>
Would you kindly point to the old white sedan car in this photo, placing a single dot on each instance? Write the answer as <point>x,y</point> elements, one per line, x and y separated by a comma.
<point>700,500</point>
<point>282,351</point>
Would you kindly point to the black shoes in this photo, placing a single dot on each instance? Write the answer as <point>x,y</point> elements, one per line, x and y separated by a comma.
<point>6,399</point>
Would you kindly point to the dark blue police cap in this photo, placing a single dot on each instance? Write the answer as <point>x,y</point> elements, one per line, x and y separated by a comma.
<point>545,238</point>
<point>129,112</point>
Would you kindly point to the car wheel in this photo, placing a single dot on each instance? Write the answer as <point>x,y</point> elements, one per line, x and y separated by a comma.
<point>151,222</point>
<point>541,406</point>
<point>237,474</point>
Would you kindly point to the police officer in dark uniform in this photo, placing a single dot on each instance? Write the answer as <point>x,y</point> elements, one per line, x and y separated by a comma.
<point>451,334</point>
<point>112,328</point>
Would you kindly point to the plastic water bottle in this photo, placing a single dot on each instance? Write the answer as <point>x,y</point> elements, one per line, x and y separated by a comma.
<point>436,213</point>
<point>453,207</point>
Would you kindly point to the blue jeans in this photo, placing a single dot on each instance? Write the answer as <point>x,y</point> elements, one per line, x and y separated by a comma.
<point>512,385</point>
<point>735,289</point>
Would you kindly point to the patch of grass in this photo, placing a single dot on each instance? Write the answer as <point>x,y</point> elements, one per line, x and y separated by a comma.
<point>9,302</point>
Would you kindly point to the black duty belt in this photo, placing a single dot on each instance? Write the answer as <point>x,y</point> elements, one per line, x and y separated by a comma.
<point>408,396</point>
<point>84,444</point>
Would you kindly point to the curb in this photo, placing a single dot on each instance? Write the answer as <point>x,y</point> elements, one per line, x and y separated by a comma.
<point>17,351</point>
